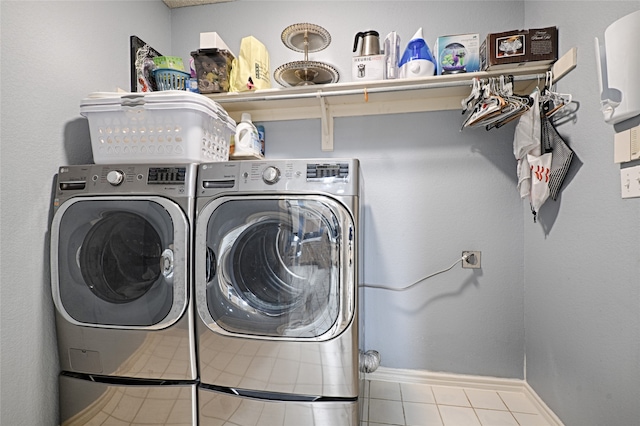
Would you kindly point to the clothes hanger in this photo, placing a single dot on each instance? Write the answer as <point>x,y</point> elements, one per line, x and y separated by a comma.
<point>511,106</point>
<point>486,105</point>
<point>551,102</point>
<point>470,100</point>
<point>492,103</point>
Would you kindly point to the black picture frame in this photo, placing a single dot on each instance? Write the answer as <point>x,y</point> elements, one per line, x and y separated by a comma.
<point>135,45</point>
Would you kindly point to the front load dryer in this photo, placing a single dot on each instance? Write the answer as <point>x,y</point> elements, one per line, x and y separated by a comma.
<point>276,281</point>
<point>120,277</point>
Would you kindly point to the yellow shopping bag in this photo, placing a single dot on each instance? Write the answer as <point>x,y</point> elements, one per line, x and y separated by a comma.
<point>250,70</point>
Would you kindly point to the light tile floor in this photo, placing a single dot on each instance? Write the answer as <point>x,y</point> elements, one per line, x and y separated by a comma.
<point>413,404</point>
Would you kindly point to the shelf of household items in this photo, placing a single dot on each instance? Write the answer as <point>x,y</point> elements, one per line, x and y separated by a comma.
<point>435,93</point>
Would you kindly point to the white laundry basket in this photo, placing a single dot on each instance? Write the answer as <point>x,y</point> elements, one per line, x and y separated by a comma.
<point>165,126</point>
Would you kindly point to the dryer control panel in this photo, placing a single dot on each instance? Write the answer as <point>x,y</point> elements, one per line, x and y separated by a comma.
<point>318,175</point>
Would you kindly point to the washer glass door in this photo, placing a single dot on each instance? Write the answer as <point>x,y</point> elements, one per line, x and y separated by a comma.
<point>119,262</point>
<point>276,267</point>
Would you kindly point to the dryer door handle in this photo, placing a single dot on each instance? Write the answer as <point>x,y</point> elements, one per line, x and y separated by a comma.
<point>211,264</point>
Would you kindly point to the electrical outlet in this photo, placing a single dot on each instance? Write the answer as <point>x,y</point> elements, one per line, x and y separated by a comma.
<point>630,182</point>
<point>473,259</point>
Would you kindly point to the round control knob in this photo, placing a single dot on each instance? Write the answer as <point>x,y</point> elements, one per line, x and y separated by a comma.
<point>271,175</point>
<point>115,177</point>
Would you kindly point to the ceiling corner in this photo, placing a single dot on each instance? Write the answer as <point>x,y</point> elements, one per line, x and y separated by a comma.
<point>173,4</point>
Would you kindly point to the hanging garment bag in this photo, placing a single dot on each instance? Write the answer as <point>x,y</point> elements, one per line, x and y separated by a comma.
<point>560,158</point>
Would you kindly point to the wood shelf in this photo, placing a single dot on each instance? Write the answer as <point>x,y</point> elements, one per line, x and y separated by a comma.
<point>435,93</point>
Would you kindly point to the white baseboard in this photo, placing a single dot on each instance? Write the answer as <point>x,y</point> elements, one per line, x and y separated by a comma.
<point>466,381</point>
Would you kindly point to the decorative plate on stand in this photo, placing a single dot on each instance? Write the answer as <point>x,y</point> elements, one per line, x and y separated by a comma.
<point>304,73</point>
<point>305,38</point>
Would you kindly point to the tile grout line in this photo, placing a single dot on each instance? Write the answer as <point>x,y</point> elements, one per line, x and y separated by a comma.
<point>508,410</point>
<point>537,413</point>
<point>475,413</point>
<point>404,413</point>
<point>433,394</point>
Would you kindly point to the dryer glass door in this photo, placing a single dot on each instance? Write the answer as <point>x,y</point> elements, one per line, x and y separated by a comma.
<point>277,267</point>
<point>120,262</point>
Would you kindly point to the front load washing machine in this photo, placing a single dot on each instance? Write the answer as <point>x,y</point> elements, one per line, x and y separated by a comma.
<point>276,287</point>
<point>120,277</point>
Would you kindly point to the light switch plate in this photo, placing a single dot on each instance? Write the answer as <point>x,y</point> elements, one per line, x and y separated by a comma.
<point>630,182</point>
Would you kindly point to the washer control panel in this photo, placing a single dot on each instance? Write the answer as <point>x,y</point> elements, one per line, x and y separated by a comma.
<point>127,179</point>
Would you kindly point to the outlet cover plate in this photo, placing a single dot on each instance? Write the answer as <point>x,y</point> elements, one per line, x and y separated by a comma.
<point>473,261</point>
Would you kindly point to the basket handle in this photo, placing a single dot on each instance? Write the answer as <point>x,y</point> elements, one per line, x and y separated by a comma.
<point>132,100</point>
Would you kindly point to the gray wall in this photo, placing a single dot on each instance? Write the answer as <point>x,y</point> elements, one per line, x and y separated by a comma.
<point>582,262</point>
<point>53,55</point>
<point>566,289</point>
<point>431,190</point>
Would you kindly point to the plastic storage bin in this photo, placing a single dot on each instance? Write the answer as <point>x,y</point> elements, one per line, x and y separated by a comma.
<point>156,127</point>
<point>213,68</point>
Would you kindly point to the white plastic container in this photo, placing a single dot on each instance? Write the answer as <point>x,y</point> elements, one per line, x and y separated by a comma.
<point>167,126</point>
<point>618,63</point>
<point>246,143</point>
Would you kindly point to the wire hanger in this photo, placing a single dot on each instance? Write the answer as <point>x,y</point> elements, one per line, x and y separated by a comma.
<point>492,103</point>
<point>469,101</point>
<point>551,102</point>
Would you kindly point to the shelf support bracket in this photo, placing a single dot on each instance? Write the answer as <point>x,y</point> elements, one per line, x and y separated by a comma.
<point>565,64</point>
<point>326,121</point>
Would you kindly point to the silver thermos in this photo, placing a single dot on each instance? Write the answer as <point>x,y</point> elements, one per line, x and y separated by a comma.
<point>370,43</point>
